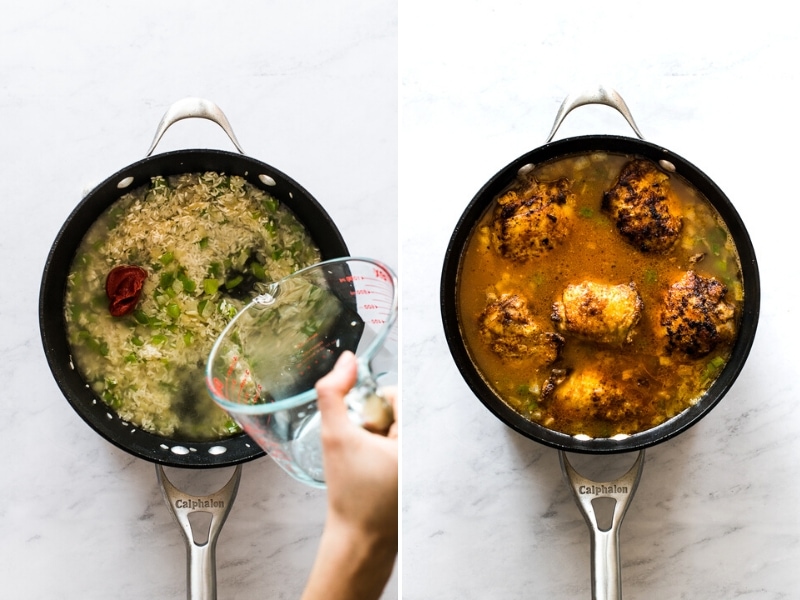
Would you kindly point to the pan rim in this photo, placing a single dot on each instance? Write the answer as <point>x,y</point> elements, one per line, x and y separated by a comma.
<point>480,387</point>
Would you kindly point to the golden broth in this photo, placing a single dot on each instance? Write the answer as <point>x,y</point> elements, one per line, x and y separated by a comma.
<point>660,385</point>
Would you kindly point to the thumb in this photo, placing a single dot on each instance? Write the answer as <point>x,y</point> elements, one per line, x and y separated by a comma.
<point>332,388</point>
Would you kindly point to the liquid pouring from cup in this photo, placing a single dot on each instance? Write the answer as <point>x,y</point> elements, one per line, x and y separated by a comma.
<point>263,367</point>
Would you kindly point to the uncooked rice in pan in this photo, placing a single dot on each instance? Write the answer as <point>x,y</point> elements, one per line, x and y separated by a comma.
<point>204,240</point>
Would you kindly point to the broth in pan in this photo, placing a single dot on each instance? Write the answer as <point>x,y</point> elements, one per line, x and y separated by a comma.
<point>157,278</point>
<point>600,295</point>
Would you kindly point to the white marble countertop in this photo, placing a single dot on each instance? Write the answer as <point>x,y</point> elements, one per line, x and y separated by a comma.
<point>310,88</point>
<point>486,512</point>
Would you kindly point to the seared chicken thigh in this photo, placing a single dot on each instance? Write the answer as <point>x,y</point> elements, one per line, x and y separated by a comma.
<point>600,312</point>
<point>532,220</point>
<point>596,393</point>
<point>509,329</point>
<point>695,316</point>
<point>643,207</point>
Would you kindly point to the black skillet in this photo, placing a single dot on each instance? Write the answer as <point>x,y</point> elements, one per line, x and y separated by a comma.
<point>161,450</point>
<point>151,447</point>
<point>605,544</point>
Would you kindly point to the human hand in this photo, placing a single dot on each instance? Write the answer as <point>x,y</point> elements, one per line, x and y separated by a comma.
<point>361,468</point>
<point>359,543</point>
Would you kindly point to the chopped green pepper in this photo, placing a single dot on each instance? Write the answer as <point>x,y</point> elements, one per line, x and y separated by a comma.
<point>233,282</point>
<point>258,271</point>
<point>95,345</point>
<point>166,280</point>
<point>309,328</point>
<point>712,368</point>
<point>210,286</point>
<point>188,285</point>
<point>173,311</point>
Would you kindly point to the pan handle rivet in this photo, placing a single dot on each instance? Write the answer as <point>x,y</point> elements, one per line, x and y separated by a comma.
<point>667,166</point>
<point>267,180</point>
<point>123,183</point>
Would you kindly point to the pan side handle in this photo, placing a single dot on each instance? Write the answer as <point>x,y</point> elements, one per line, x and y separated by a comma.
<point>201,566</point>
<point>193,108</point>
<point>606,568</point>
<point>601,95</point>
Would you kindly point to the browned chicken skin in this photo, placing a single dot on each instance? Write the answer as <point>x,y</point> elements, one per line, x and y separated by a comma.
<point>597,393</point>
<point>509,329</point>
<point>532,220</point>
<point>599,312</point>
<point>695,315</point>
<point>643,208</point>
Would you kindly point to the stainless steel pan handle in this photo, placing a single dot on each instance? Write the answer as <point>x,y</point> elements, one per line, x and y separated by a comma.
<point>201,566</point>
<point>601,95</point>
<point>606,569</point>
<point>193,108</point>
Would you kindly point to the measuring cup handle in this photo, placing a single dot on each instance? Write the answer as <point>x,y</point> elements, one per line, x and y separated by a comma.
<point>190,108</point>
<point>201,564</point>
<point>370,409</point>
<point>368,406</point>
<point>606,568</point>
<point>600,95</point>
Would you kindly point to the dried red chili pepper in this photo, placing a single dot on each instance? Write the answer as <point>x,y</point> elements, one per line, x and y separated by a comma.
<point>123,288</point>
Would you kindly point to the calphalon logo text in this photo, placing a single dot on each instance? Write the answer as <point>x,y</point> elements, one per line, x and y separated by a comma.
<point>603,489</point>
<point>196,504</point>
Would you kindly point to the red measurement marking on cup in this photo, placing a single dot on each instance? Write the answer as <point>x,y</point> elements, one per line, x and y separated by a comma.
<point>311,354</point>
<point>273,448</point>
<point>236,389</point>
<point>242,384</point>
<point>232,367</point>
<point>381,274</point>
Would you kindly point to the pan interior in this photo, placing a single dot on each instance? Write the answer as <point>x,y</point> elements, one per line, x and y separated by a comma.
<point>199,245</point>
<point>154,447</point>
<point>460,318</point>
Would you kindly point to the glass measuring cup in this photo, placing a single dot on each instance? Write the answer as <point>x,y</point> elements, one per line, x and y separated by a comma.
<point>263,367</point>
